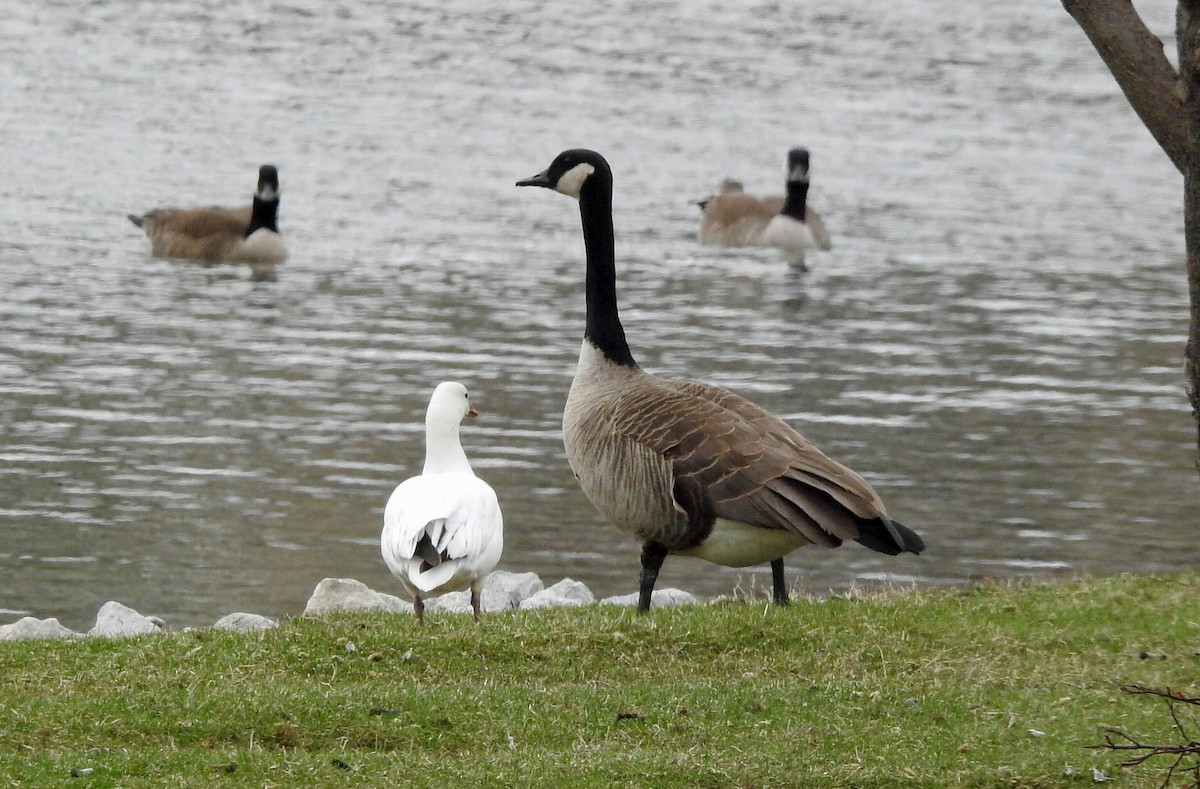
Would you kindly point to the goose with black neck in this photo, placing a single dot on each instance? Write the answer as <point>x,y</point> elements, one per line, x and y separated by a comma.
<point>220,235</point>
<point>733,218</point>
<point>689,468</point>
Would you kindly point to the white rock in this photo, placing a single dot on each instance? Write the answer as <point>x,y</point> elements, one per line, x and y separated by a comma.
<point>244,623</point>
<point>396,604</point>
<point>118,621</point>
<point>547,599</point>
<point>572,590</point>
<point>567,592</point>
<point>502,591</point>
<point>507,590</point>
<point>30,627</point>
<point>660,599</point>
<point>347,594</point>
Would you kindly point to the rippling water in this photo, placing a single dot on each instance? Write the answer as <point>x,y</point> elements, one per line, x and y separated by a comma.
<point>995,340</point>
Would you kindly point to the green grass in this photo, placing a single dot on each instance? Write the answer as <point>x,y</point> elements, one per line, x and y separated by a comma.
<point>920,688</point>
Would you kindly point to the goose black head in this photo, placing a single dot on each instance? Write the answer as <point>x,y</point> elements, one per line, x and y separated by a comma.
<point>797,166</point>
<point>268,183</point>
<point>571,171</point>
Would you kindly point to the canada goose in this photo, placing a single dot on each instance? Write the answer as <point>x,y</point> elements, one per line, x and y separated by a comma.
<point>442,530</point>
<point>215,235</point>
<point>689,468</point>
<point>732,218</point>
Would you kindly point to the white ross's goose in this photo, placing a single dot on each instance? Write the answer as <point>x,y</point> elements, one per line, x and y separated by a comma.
<point>442,530</point>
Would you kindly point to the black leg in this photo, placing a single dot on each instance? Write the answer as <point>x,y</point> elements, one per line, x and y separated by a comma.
<point>475,599</point>
<point>779,582</point>
<point>653,555</point>
<point>419,608</point>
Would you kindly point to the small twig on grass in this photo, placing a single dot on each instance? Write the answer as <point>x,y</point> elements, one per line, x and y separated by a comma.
<point>1119,740</point>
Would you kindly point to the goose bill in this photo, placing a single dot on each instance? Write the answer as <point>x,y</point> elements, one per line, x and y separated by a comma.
<point>541,179</point>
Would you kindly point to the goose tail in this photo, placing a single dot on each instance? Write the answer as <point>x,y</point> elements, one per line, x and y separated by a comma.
<point>430,579</point>
<point>888,536</point>
<point>137,220</point>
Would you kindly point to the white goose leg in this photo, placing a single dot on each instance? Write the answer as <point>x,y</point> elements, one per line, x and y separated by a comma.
<point>475,599</point>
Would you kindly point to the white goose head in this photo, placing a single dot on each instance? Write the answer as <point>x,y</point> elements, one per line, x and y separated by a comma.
<point>448,406</point>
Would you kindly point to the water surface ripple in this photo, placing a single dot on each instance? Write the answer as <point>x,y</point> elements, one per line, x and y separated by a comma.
<point>995,340</point>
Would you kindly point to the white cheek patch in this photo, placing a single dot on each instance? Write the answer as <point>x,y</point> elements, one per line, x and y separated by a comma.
<point>572,180</point>
<point>268,194</point>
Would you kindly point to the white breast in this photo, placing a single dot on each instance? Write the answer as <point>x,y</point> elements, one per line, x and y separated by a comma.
<point>787,233</point>
<point>262,246</point>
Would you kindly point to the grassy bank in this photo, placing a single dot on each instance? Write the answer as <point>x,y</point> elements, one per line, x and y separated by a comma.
<point>924,688</point>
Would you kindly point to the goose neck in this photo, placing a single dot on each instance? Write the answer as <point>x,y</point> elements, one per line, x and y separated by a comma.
<point>443,452</point>
<point>263,216</point>
<point>797,199</point>
<point>603,324</point>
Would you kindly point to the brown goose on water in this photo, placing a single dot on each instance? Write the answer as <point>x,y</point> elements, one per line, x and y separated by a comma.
<point>684,467</point>
<point>733,218</point>
<point>220,235</point>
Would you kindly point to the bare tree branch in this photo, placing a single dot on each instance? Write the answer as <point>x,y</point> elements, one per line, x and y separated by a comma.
<point>1166,693</point>
<point>1136,59</point>
<point>1119,740</point>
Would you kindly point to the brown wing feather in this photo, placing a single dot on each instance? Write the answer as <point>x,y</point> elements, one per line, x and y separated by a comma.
<point>199,222</point>
<point>207,234</point>
<point>817,226</point>
<point>775,204</point>
<point>750,465</point>
<point>734,219</point>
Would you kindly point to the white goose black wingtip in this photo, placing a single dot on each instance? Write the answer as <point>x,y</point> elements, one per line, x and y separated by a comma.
<point>443,529</point>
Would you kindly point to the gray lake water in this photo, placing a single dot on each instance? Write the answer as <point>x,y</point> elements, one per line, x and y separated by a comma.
<point>995,340</point>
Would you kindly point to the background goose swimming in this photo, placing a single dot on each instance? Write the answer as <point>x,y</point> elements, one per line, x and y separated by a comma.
<point>220,235</point>
<point>688,468</point>
<point>732,218</point>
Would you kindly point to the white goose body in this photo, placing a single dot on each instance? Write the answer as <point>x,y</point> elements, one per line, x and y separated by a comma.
<point>443,530</point>
<point>733,218</point>
<point>220,235</point>
<point>689,468</point>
